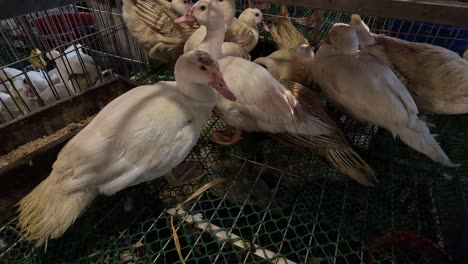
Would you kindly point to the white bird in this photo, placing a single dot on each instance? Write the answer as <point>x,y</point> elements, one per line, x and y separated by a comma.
<point>138,137</point>
<point>227,15</point>
<point>263,105</point>
<point>437,77</point>
<point>7,74</point>
<point>8,108</point>
<point>14,83</point>
<point>369,91</point>
<point>465,55</point>
<point>81,68</point>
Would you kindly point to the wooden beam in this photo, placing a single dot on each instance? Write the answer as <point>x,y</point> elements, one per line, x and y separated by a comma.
<point>434,11</point>
<point>13,8</point>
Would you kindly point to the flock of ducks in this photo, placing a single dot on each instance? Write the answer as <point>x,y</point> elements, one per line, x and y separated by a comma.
<point>22,92</point>
<point>145,133</point>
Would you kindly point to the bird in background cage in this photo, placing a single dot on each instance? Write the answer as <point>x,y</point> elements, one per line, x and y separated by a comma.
<point>265,105</point>
<point>37,59</point>
<point>368,90</point>
<point>437,77</point>
<point>8,108</point>
<point>81,69</point>
<point>14,84</point>
<point>124,145</point>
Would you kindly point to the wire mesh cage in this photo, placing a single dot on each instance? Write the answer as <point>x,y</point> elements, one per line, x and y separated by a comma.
<point>279,204</point>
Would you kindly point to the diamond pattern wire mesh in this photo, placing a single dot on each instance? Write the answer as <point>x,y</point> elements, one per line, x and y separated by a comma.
<point>281,204</point>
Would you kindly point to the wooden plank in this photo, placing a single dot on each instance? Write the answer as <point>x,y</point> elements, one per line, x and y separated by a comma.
<point>434,11</point>
<point>13,8</point>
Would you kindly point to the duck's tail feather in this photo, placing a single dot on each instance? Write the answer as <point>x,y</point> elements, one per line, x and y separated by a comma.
<point>48,211</point>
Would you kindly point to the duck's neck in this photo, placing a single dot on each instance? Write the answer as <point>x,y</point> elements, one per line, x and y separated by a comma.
<point>213,41</point>
<point>197,93</point>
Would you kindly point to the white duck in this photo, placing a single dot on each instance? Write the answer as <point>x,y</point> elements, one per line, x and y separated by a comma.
<point>263,104</point>
<point>369,91</point>
<point>437,77</point>
<point>228,11</point>
<point>138,137</point>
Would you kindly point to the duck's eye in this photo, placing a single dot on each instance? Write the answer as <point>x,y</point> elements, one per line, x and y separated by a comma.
<point>257,14</point>
<point>203,68</point>
<point>202,8</point>
<point>220,1</point>
<point>185,2</point>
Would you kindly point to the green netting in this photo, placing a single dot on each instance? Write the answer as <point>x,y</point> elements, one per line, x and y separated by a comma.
<point>281,204</point>
<point>283,200</point>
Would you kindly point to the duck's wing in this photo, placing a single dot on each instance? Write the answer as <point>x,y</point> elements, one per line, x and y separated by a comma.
<point>240,33</point>
<point>126,140</point>
<point>161,18</point>
<point>334,146</point>
<point>286,35</point>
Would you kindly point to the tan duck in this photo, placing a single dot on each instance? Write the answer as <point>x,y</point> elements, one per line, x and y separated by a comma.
<point>252,18</point>
<point>437,77</point>
<point>151,23</point>
<point>293,60</point>
<point>284,33</point>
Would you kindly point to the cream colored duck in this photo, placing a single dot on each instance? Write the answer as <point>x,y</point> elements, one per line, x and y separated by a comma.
<point>293,61</point>
<point>138,137</point>
<point>196,40</point>
<point>252,18</point>
<point>369,91</point>
<point>151,23</point>
<point>293,64</point>
<point>437,77</point>
<point>263,104</point>
<point>465,55</point>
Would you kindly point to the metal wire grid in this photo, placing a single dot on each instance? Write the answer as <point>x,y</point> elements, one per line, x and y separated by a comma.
<point>283,201</point>
<point>105,39</point>
<point>284,206</point>
<point>451,37</point>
